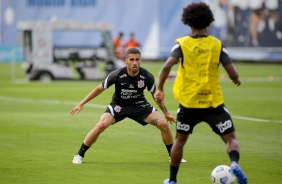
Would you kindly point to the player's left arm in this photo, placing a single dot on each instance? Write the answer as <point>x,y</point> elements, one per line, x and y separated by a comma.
<point>170,118</point>
<point>160,103</point>
<point>228,66</point>
<point>233,74</point>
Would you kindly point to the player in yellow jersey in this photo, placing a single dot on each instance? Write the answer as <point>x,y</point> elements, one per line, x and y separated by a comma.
<point>197,87</point>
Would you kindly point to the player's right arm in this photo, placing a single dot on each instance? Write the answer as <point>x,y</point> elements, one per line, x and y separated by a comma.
<point>95,92</point>
<point>110,80</point>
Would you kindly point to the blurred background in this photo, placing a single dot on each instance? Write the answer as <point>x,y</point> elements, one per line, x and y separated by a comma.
<point>251,29</point>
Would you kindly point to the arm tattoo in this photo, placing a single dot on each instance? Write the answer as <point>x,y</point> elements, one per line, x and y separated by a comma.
<point>163,108</point>
<point>154,122</point>
<point>161,105</point>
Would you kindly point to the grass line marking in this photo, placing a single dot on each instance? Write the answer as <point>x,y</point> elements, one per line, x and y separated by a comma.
<point>58,102</point>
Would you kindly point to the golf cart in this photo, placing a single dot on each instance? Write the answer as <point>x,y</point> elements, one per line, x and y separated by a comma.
<point>46,62</point>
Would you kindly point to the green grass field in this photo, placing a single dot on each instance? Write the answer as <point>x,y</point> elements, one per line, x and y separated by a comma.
<point>39,138</point>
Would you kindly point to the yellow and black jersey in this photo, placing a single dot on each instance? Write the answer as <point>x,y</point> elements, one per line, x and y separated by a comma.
<point>197,81</point>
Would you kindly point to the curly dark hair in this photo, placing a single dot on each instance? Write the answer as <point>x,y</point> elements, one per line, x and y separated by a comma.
<point>197,15</point>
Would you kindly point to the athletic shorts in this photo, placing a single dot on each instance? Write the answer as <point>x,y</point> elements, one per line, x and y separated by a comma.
<point>137,112</point>
<point>218,119</point>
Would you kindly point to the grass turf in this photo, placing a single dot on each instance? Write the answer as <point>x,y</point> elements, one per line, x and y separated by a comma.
<point>39,138</point>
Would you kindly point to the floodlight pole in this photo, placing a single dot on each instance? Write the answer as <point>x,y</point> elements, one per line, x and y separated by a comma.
<point>0,22</point>
<point>13,65</point>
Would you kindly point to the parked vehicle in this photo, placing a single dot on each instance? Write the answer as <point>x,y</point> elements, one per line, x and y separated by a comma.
<point>46,62</point>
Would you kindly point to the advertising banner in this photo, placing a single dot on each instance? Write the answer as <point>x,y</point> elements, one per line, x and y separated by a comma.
<point>250,29</point>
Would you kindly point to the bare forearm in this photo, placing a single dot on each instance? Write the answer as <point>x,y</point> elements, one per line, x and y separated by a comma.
<point>162,77</point>
<point>233,74</point>
<point>165,72</point>
<point>162,107</point>
<point>95,92</point>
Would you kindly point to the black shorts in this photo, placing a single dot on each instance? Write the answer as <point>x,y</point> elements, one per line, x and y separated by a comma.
<point>137,112</point>
<point>218,119</point>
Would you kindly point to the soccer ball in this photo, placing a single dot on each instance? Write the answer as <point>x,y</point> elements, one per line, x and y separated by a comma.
<point>222,175</point>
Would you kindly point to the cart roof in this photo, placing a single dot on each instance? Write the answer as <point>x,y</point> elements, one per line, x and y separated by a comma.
<point>64,25</point>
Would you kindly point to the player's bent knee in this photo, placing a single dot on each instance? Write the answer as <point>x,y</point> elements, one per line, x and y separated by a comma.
<point>163,125</point>
<point>100,127</point>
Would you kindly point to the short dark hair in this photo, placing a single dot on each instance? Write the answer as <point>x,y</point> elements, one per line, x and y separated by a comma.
<point>197,15</point>
<point>132,51</point>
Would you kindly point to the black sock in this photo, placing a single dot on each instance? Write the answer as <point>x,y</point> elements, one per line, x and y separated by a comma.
<point>83,149</point>
<point>168,147</point>
<point>173,173</point>
<point>234,156</point>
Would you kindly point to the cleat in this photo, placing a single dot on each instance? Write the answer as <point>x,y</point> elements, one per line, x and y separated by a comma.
<point>182,160</point>
<point>167,182</point>
<point>238,172</point>
<point>77,159</point>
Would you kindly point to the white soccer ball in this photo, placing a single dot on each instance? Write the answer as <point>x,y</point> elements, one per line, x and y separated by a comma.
<point>222,175</point>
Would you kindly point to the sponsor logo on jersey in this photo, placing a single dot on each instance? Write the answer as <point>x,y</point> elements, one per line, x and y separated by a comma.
<point>204,102</point>
<point>122,76</point>
<point>139,102</point>
<point>204,92</point>
<point>128,91</point>
<point>129,94</point>
<point>141,76</point>
<point>145,105</point>
<point>131,86</point>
